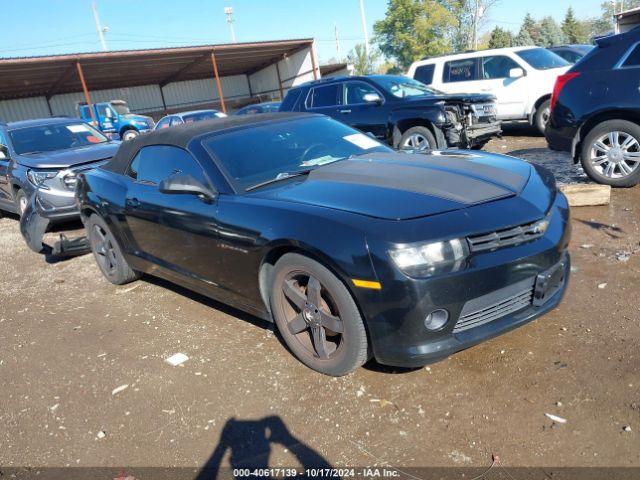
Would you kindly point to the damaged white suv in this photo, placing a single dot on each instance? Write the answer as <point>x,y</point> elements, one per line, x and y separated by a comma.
<point>521,79</point>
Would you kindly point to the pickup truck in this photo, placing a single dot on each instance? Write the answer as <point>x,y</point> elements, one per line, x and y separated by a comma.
<point>115,119</point>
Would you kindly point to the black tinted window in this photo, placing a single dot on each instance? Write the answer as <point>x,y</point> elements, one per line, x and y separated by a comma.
<point>156,163</point>
<point>461,70</point>
<point>497,66</point>
<point>355,91</point>
<point>325,96</point>
<point>424,74</point>
<point>633,60</point>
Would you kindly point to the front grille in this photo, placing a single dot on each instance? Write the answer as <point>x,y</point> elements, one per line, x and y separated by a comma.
<point>505,237</point>
<point>476,313</point>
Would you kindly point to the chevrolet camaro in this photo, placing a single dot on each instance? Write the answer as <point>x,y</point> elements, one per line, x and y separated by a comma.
<point>354,250</point>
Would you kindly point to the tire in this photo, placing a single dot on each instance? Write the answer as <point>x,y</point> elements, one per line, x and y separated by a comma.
<point>107,253</point>
<point>129,135</point>
<point>310,331</point>
<point>618,166</point>
<point>21,202</point>
<point>418,138</point>
<point>541,117</point>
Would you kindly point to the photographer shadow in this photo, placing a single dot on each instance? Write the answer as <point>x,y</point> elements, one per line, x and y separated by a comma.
<point>249,443</point>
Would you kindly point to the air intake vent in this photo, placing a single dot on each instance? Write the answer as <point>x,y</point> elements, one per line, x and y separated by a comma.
<point>507,236</point>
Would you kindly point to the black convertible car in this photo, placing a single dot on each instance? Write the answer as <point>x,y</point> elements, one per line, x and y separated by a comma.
<point>353,249</point>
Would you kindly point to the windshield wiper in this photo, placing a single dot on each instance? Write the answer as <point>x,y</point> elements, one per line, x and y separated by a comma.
<point>281,176</point>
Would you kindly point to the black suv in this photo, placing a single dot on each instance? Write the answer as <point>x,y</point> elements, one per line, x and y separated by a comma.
<point>595,111</point>
<point>400,111</point>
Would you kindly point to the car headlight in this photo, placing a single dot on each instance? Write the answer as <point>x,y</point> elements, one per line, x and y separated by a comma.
<point>38,177</point>
<point>425,259</point>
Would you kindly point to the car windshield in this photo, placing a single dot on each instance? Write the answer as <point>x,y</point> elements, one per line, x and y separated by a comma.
<point>266,152</point>
<point>403,87</point>
<point>542,59</point>
<point>199,116</point>
<point>121,108</point>
<point>47,138</point>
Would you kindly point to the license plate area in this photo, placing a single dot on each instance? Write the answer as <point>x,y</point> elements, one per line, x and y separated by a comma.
<point>548,283</point>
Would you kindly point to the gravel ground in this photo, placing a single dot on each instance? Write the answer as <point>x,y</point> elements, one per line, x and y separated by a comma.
<point>85,382</point>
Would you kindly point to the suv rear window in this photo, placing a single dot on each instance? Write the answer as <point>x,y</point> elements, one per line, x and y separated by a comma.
<point>460,70</point>
<point>325,96</point>
<point>424,74</point>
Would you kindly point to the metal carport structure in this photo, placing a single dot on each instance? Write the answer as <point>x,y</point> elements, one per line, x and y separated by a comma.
<point>174,77</point>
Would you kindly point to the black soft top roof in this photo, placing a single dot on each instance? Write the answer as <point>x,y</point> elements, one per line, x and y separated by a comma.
<point>182,135</point>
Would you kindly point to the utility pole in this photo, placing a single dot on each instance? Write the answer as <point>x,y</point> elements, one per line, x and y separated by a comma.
<point>101,30</point>
<point>338,52</point>
<point>364,28</point>
<point>228,11</point>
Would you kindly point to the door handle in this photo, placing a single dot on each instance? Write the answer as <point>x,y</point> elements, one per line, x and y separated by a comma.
<point>132,202</point>
<point>344,110</point>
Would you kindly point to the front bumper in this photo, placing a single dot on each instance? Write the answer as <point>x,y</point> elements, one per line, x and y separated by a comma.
<point>481,132</point>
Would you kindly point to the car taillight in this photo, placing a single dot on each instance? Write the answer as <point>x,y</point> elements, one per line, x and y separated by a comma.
<point>561,81</point>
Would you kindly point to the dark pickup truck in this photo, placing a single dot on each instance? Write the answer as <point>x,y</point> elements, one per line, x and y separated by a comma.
<point>400,111</point>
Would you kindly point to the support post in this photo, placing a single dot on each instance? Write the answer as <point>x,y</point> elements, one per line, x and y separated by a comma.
<point>218,84</point>
<point>313,61</point>
<point>87,98</point>
<point>279,81</point>
<point>164,103</point>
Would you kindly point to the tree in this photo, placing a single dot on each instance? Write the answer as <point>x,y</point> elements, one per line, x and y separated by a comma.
<point>550,33</point>
<point>574,30</point>
<point>500,38</point>
<point>472,16</point>
<point>530,29</point>
<point>523,39</point>
<point>362,64</point>
<point>413,29</point>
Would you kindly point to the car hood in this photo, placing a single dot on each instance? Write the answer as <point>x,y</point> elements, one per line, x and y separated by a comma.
<point>452,97</point>
<point>398,186</point>
<point>69,157</point>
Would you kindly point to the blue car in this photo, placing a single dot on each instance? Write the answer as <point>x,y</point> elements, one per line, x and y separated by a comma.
<point>46,155</point>
<point>268,107</point>
<point>188,117</point>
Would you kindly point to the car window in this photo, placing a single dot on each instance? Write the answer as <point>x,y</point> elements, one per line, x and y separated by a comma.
<point>325,96</point>
<point>424,74</point>
<point>633,59</point>
<point>3,140</point>
<point>541,58</point>
<point>354,92</point>
<point>251,156</point>
<point>48,138</point>
<point>460,70</point>
<point>164,123</point>
<point>175,121</point>
<point>497,66</point>
<point>155,163</point>
<point>200,116</point>
<point>102,110</point>
<point>404,87</point>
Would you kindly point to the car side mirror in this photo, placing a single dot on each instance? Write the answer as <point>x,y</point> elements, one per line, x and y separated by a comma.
<point>186,184</point>
<point>372,98</point>
<point>4,152</point>
<point>516,73</point>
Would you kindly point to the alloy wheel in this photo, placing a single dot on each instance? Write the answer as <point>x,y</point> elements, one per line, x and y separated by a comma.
<point>416,141</point>
<point>615,154</point>
<point>104,249</point>
<point>545,115</point>
<point>311,315</point>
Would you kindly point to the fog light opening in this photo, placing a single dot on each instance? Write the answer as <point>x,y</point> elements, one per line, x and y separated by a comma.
<point>436,319</point>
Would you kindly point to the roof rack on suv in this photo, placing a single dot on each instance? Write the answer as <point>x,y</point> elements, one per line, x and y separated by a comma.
<point>447,54</point>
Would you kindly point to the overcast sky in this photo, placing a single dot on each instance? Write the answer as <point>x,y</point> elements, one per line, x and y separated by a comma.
<point>39,27</point>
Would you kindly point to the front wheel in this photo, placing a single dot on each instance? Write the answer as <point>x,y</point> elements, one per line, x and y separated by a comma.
<point>107,252</point>
<point>543,112</point>
<point>610,153</point>
<point>317,316</point>
<point>130,135</point>
<point>418,138</point>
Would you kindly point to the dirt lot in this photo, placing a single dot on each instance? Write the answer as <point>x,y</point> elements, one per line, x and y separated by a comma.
<point>68,339</point>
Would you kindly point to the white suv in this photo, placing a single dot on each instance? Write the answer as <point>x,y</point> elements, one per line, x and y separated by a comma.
<point>521,78</point>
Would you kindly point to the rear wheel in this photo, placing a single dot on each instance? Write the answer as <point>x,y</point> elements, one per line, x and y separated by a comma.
<point>418,138</point>
<point>610,153</point>
<point>543,112</point>
<point>21,202</point>
<point>130,135</point>
<point>107,253</point>
<point>316,316</point>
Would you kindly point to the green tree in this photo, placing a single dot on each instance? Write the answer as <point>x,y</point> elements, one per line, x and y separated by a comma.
<point>523,39</point>
<point>530,29</point>
<point>550,33</point>
<point>413,29</point>
<point>500,38</point>
<point>362,64</point>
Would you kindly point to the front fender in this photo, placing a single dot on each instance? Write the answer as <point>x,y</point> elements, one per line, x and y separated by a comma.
<point>401,119</point>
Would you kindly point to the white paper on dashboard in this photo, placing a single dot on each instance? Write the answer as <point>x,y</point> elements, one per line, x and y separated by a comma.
<point>361,140</point>
<point>77,128</point>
